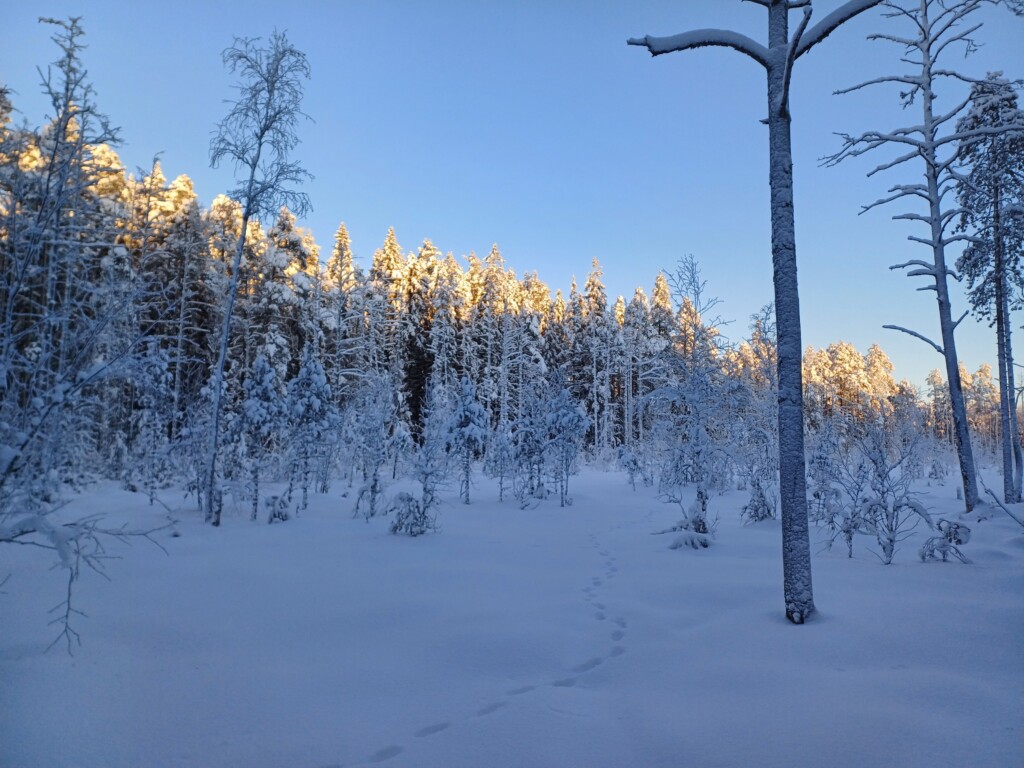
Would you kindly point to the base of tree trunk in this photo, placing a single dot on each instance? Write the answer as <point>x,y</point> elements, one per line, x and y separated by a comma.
<point>799,615</point>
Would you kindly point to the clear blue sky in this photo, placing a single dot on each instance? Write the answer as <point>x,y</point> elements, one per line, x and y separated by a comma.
<point>531,124</point>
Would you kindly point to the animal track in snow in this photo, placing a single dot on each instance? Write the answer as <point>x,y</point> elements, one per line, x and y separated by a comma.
<point>384,754</point>
<point>430,730</point>
<point>588,665</point>
<point>590,591</point>
<point>494,707</point>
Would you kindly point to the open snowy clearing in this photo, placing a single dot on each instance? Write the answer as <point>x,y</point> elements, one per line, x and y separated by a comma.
<point>539,637</point>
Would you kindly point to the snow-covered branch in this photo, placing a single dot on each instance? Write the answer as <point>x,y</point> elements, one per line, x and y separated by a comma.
<point>894,162</point>
<point>832,22</point>
<point>899,192</point>
<point>905,79</point>
<point>76,543</point>
<point>791,58</point>
<point>915,263</point>
<point>704,38</point>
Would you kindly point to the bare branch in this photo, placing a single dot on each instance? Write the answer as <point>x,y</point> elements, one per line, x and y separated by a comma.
<point>1003,507</point>
<point>916,335</point>
<point>903,192</point>
<point>905,79</point>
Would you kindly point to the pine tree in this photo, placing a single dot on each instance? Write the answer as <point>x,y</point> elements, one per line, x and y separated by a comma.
<point>992,197</point>
<point>778,59</point>
<point>936,28</point>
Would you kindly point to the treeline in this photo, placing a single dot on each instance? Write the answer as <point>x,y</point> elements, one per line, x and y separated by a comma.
<point>112,289</point>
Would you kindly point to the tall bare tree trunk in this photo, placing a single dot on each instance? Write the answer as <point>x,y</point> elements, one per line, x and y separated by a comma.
<point>961,432</point>
<point>796,548</point>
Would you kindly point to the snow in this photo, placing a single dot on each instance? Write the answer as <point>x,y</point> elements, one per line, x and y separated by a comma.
<point>514,637</point>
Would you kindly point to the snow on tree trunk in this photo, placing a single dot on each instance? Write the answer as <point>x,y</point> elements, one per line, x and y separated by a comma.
<point>778,59</point>
<point>1018,454</point>
<point>256,136</point>
<point>212,509</point>
<point>931,34</point>
<point>796,547</point>
<point>961,434</point>
<point>991,192</point>
<point>1006,402</point>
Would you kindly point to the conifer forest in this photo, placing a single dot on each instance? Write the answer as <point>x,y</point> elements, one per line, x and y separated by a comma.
<point>298,506</point>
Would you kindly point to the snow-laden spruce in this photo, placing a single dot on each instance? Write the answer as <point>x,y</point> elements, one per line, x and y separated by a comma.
<point>467,434</point>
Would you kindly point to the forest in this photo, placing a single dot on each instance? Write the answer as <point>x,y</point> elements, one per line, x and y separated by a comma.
<point>114,286</point>
<point>216,352</point>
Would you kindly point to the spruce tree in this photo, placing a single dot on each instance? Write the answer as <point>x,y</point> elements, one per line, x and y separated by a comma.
<point>467,434</point>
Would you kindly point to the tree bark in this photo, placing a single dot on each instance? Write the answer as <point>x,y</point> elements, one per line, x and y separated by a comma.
<point>1006,399</point>
<point>961,433</point>
<point>213,508</point>
<point>796,548</point>
<point>1018,454</point>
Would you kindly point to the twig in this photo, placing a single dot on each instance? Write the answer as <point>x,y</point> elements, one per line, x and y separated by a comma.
<point>1003,507</point>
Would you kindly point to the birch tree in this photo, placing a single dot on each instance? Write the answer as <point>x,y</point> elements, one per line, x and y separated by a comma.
<point>937,28</point>
<point>256,137</point>
<point>65,286</point>
<point>778,59</point>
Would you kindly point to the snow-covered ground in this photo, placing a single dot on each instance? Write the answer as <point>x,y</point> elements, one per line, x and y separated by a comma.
<point>538,637</point>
